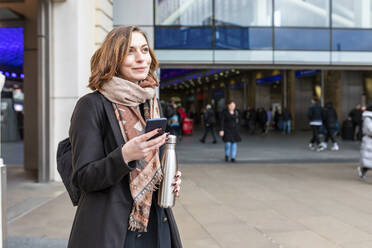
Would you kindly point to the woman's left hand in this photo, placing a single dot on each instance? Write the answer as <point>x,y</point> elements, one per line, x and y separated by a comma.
<point>177,184</point>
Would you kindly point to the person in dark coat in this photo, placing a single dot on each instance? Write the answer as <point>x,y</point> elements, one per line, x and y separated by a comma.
<point>252,117</point>
<point>330,124</point>
<point>314,114</point>
<point>287,117</point>
<point>355,116</point>
<point>115,164</point>
<point>209,118</point>
<point>230,130</point>
<point>262,119</point>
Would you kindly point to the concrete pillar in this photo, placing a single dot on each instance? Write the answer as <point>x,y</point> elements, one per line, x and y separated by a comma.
<point>78,28</point>
<point>291,79</point>
<point>284,89</point>
<point>333,90</point>
<point>352,91</point>
<point>251,87</point>
<point>227,90</point>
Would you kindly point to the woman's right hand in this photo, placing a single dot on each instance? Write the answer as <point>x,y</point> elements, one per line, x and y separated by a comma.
<point>221,133</point>
<point>140,146</point>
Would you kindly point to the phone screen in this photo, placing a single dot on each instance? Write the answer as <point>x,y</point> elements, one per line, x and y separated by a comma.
<point>156,123</point>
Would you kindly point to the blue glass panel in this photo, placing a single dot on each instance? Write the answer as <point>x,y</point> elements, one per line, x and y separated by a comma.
<point>183,38</point>
<point>301,39</point>
<point>351,40</point>
<point>243,38</point>
<point>11,47</point>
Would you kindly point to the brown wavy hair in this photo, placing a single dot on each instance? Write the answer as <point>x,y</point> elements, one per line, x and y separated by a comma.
<point>106,61</point>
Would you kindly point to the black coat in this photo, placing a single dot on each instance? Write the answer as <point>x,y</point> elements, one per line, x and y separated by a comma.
<point>329,117</point>
<point>356,115</point>
<point>230,126</point>
<point>101,219</point>
<point>314,113</point>
<point>209,118</point>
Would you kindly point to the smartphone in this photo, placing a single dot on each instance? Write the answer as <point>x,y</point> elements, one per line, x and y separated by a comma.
<point>156,123</point>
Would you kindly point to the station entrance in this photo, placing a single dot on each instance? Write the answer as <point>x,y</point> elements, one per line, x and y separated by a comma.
<point>272,90</point>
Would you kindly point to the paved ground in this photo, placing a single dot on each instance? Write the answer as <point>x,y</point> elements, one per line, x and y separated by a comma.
<point>279,194</point>
<point>243,205</point>
<point>271,148</point>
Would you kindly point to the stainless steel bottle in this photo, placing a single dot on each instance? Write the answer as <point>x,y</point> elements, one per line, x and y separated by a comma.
<point>166,197</point>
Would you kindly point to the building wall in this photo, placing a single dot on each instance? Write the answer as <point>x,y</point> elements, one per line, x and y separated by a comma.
<point>79,28</point>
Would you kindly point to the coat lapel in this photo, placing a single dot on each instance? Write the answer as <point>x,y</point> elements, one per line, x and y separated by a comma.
<point>113,121</point>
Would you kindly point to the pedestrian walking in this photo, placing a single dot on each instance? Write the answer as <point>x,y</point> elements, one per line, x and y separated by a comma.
<point>209,118</point>
<point>115,165</point>
<point>252,117</point>
<point>230,130</point>
<point>175,124</point>
<point>287,117</point>
<point>329,116</point>
<point>366,147</point>
<point>262,119</point>
<point>355,116</point>
<point>314,114</point>
<point>269,120</point>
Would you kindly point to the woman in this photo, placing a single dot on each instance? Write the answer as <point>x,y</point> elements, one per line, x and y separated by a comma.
<point>230,130</point>
<point>314,114</point>
<point>115,164</point>
<point>366,148</point>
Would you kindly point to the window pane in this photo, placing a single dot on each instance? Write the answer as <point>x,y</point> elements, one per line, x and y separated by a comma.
<point>351,40</point>
<point>243,12</point>
<point>300,13</point>
<point>183,12</point>
<point>244,38</point>
<point>301,39</point>
<point>356,13</point>
<point>183,38</point>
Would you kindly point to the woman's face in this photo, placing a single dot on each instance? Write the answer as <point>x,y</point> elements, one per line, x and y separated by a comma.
<point>231,106</point>
<point>136,65</point>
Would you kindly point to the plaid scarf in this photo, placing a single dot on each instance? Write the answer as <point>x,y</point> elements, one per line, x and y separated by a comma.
<point>126,97</point>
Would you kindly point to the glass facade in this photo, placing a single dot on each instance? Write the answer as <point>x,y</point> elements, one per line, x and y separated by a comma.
<point>274,26</point>
<point>183,12</point>
<point>243,38</point>
<point>352,40</point>
<point>243,12</point>
<point>300,13</point>
<point>305,39</point>
<point>352,14</point>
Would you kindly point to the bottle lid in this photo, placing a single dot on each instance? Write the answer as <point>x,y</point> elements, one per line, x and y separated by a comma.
<point>172,139</point>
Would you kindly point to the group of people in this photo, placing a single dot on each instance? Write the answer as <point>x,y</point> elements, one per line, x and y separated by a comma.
<point>322,117</point>
<point>175,114</point>
<point>267,120</point>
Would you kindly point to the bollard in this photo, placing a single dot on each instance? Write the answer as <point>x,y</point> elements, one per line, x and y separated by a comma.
<point>3,231</point>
